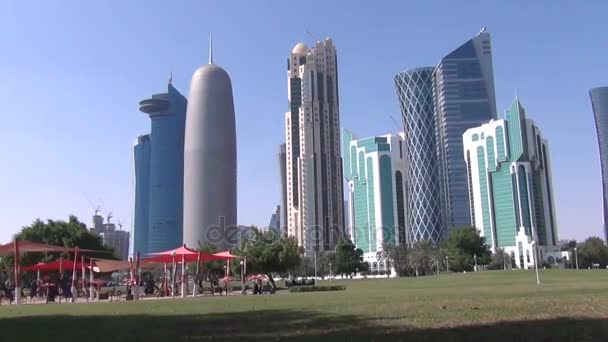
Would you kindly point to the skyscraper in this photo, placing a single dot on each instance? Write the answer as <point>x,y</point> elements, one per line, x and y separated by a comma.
<point>210,206</point>
<point>282,155</point>
<point>141,160</point>
<point>315,213</point>
<point>599,104</point>
<point>374,168</point>
<point>509,176</point>
<point>165,160</point>
<point>464,98</point>
<point>415,92</point>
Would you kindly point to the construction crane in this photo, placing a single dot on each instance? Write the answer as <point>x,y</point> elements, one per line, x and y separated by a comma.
<point>399,128</point>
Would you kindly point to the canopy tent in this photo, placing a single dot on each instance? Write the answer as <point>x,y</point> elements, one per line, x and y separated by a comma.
<point>257,277</point>
<point>226,255</point>
<point>28,246</point>
<point>103,265</point>
<point>18,248</point>
<point>54,266</point>
<point>180,254</point>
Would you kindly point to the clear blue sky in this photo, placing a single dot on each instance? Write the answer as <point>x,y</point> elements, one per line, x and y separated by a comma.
<point>72,73</point>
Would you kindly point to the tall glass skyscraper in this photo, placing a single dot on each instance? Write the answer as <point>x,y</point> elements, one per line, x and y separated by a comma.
<point>315,199</point>
<point>164,206</point>
<point>464,98</point>
<point>141,161</point>
<point>509,171</point>
<point>415,91</point>
<point>374,168</point>
<point>599,103</point>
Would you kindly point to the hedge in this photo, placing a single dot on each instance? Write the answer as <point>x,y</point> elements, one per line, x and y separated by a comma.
<point>300,289</point>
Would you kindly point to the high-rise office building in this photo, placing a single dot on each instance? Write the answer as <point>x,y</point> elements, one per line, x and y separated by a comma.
<point>315,213</point>
<point>210,206</point>
<point>282,155</point>
<point>275,220</point>
<point>162,153</point>
<point>415,92</point>
<point>599,104</point>
<point>375,170</point>
<point>141,160</point>
<point>511,192</point>
<point>111,237</point>
<point>464,98</point>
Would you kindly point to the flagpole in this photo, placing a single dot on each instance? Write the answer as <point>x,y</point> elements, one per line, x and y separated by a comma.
<point>17,269</point>
<point>73,289</point>
<point>198,263</point>
<point>184,276</point>
<point>91,279</point>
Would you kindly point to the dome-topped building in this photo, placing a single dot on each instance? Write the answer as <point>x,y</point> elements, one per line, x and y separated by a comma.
<point>300,49</point>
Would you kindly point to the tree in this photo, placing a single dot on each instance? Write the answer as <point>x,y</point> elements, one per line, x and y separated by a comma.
<point>348,259</point>
<point>424,257</point>
<point>70,233</point>
<point>399,257</point>
<point>268,253</point>
<point>462,246</point>
<point>592,251</point>
<point>501,260</point>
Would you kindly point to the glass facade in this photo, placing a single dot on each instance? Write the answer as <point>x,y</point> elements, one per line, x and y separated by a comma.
<point>167,113</point>
<point>423,215</point>
<point>464,98</point>
<point>141,161</point>
<point>599,103</point>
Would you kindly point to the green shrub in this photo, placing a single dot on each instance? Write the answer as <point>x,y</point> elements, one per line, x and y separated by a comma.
<point>300,289</point>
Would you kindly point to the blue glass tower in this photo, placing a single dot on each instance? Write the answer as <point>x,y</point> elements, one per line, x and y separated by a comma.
<point>415,92</point>
<point>464,98</point>
<point>167,113</point>
<point>141,161</point>
<point>599,103</point>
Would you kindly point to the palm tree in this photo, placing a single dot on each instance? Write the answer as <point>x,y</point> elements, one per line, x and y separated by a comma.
<point>423,257</point>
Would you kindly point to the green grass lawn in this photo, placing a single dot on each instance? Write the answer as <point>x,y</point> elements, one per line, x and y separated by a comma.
<point>494,306</point>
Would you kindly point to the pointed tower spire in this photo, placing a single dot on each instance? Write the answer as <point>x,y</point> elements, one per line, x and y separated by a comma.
<point>171,77</point>
<point>210,49</point>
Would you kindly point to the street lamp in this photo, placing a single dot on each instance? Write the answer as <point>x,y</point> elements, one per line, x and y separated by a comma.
<point>173,266</point>
<point>475,257</point>
<point>534,252</point>
<point>330,272</point>
<point>315,265</point>
<point>242,277</point>
<point>576,256</point>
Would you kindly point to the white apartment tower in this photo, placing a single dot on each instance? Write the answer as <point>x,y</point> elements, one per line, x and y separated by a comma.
<point>315,207</point>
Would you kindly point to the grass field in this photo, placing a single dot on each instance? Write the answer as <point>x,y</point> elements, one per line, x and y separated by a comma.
<point>493,306</point>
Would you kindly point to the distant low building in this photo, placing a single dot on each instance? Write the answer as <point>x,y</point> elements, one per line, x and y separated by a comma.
<point>118,240</point>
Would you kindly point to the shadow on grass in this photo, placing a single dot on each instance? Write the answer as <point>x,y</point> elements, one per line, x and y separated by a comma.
<point>292,325</point>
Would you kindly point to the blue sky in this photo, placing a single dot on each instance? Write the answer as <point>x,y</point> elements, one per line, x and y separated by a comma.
<point>72,73</point>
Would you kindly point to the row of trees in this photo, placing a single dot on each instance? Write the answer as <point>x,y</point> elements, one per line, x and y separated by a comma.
<point>460,252</point>
<point>591,251</point>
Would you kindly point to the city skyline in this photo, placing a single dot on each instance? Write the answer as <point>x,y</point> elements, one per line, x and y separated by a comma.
<point>69,131</point>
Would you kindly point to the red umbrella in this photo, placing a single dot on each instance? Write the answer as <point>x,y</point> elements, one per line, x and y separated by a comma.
<point>257,277</point>
<point>52,266</point>
<point>179,254</point>
<point>227,279</point>
<point>226,255</point>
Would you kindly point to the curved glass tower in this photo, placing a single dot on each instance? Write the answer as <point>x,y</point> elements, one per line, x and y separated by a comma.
<point>141,160</point>
<point>415,91</point>
<point>167,113</point>
<point>599,103</point>
<point>464,98</point>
